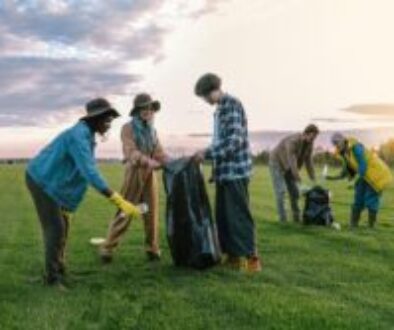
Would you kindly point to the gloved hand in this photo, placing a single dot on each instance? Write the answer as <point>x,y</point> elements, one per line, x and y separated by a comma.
<point>125,206</point>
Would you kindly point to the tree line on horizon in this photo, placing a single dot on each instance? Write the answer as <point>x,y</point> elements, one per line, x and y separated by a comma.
<point>321,156</point>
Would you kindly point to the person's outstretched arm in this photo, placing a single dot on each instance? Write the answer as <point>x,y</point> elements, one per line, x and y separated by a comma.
<point>290,148</point>
<point>342,175</point>
<point>310,168</point>
<point>81,152</point>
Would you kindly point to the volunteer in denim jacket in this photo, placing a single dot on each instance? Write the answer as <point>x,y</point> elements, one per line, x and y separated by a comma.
<point>59,176</point>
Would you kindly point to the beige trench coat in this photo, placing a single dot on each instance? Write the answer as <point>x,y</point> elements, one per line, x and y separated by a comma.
<point>139,186</point>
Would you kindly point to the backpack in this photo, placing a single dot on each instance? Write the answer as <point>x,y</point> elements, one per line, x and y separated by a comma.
<point>317,209</point>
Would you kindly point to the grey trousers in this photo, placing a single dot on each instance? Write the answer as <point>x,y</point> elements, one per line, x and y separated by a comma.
<point>282,182</point>
<point>55,227</point>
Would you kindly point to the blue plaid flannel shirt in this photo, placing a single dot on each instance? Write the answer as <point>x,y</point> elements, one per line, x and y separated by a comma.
<point>230,150</point>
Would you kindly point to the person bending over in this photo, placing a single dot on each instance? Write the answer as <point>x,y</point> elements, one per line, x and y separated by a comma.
<point>286,161</point>
<point>58,178</point>
<point>373,177</point>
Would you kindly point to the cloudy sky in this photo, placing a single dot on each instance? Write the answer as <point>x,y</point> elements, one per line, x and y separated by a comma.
<point>290,61</point>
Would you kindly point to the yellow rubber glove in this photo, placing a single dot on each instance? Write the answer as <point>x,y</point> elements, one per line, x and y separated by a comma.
<point>125,206</point>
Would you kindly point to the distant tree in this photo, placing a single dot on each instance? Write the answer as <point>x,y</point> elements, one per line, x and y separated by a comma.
<point>262,157</point>
<point>386,152</point>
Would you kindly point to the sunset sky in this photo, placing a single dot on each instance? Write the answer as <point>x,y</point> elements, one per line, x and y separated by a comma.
<point>290,62</point>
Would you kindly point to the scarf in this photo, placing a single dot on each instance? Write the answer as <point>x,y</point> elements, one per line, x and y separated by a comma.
<point>145,135</point>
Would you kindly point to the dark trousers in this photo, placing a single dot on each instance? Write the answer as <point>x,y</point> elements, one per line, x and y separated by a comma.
<point>54,228</point>
<point>235,224</point>
<point>365,197</point>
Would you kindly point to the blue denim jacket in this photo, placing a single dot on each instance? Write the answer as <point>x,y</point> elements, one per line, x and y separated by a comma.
<point>66,167</point>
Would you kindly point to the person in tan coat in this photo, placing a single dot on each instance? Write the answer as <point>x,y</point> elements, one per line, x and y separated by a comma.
<point>143,155</point>
<point>286,160</point>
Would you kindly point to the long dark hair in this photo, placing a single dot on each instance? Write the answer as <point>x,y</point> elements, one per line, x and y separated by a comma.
<point>94,122</point>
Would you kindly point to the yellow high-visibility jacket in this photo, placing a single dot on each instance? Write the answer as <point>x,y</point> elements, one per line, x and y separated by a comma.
<point>378,174</point>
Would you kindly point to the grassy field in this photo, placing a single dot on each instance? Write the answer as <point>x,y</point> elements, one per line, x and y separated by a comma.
<point>313,278</point>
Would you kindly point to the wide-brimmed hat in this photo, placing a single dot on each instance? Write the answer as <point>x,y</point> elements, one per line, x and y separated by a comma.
<point>98,107</point>
<point>142,101</point>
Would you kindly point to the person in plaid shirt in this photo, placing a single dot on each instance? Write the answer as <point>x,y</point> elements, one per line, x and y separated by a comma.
<point>232,167</point>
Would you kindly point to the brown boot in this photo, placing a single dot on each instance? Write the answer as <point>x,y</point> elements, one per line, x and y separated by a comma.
<point>56,281</point>
<point>106,256</point>
<point>153,256</point>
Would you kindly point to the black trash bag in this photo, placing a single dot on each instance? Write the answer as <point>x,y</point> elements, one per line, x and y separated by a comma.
<point>191,231</point>
<point>317,209</point>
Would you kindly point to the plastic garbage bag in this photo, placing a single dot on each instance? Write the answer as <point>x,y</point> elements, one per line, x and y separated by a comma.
<point>317,209</point>
<point>191,231</point>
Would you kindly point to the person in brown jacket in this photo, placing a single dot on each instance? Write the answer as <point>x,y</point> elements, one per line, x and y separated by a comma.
<point>286,160</point>
<point>143,154</point>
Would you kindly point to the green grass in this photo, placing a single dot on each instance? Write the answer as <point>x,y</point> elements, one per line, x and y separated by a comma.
<point>313,278</point>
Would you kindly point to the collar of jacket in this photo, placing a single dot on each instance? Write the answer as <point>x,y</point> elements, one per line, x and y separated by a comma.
<point>92,135</point>
<point>223,99</point>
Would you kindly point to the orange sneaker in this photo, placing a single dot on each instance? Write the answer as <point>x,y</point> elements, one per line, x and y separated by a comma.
<point>254,265</point>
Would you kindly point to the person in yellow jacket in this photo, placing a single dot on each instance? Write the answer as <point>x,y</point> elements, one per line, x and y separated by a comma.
<point>143,154</point>
<point>373,177</point>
